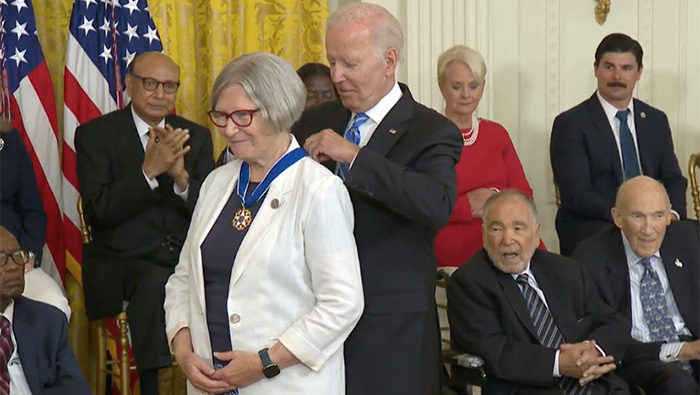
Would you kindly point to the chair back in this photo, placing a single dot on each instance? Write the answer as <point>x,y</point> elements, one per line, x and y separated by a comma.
<point>692,166</point>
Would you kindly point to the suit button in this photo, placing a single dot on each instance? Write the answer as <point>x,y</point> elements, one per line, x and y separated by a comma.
<point>235,318</point>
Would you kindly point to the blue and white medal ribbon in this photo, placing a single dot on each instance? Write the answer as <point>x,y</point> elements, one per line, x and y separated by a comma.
<point>244,216</point>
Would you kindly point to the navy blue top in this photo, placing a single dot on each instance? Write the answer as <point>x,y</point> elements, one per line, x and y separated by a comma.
<point>21,209</point>
<point>219,251</point>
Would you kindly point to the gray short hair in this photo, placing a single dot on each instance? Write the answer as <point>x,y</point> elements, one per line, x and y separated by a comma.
<point>466,55</point>
<point>385,29</point>
<point>270,83</point>
<point>509,194</point>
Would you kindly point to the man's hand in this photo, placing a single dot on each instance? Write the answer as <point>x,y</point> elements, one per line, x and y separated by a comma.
<point>690,351</point>
<point>328,145</point>
<point>583,361</point>
<point>244,368</point>
<point>477,200</point>
<point>163,150</point>
<point>178,138</point>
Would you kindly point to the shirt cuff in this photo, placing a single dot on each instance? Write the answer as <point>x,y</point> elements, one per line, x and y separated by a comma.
<point>600,350</point>
<point>495,189</point>
<point>669,351</point>
<point>678,216</point>
<point>153,183</point>
<point>181,194</point>
<point>555,371</point>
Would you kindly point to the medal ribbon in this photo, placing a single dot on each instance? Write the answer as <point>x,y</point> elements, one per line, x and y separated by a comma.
<point>280,166</point>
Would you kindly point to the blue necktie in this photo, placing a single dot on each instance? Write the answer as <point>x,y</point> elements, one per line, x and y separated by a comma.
<point>352,135</point>
<point>630,163</point>
<point>654,305</point>
<point>547,332</point>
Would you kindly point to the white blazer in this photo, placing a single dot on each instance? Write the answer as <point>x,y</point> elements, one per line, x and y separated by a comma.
<point>295,278</point>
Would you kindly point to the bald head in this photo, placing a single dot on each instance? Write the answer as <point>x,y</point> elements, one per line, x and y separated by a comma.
<point>152,59</point>
<point>145,84</point>
<point>642,211</point>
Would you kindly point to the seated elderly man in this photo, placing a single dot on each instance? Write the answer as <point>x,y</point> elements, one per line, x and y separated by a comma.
<point>648,269</point>
<point>35,357</point>
<point>533,316</point>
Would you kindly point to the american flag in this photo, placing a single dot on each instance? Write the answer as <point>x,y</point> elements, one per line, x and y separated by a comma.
<point>29,96</point>
<point>104,37</point>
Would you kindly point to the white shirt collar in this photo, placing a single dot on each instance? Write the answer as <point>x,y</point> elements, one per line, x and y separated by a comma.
<point>9,312</point>
<point>379,111</point>
<point>141,126</point>
<point>526,271</point>
<point>632,257</point>
<point>610,110</point>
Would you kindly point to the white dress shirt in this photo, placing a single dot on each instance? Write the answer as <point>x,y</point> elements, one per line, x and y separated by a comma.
<point>640,330</point>
<point>375,116</point>
<point>18,382</point>
<point>610,112</point>
<point>143,128</point>
<point>532,281</point>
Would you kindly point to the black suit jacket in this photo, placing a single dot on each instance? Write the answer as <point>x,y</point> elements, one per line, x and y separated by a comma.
<point>21,209</point>
<point>489,318</point>
<point>603,256</point>
<point>48,362</point>
<point>403,188</point>
<point>128,220</point>
<point>586,165</point>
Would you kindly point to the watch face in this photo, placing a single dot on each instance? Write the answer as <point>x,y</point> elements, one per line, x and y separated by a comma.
<point>271,371</point>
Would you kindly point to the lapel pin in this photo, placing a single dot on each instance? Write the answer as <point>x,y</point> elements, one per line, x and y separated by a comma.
<point>643,114</point>
<point>392,131</point>
<point>679,263</point>
<point>2,144</point>
<point>275,203</point>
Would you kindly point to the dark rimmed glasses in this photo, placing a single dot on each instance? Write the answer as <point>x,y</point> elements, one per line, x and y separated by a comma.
<point>20,257</point>
<point>151,84</point>
<point>242,118</point>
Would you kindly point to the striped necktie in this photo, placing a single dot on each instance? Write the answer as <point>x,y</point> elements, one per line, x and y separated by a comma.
<point>547,332</point>
<point>629,152</point>
<point>6,350</point>
<point>352,135</point>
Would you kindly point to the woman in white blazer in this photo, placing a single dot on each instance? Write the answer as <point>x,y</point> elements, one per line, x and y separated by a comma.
<point>268,284</point>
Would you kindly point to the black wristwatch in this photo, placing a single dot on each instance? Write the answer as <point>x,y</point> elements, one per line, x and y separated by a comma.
<point>270,369</point>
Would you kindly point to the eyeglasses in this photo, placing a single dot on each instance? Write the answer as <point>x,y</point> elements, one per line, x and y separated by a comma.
<point>20,257</point>
<point>151,84</point>
<point>241,118</point>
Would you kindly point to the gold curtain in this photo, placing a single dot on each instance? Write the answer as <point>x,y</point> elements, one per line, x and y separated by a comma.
<point>202,36</point>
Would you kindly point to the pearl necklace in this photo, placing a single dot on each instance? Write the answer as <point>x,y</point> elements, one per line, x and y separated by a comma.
<point>470,136</point>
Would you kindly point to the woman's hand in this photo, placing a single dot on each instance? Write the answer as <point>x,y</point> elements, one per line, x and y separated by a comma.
<point>199,373</point>
<point>477,200</point>
<point>244,368</point>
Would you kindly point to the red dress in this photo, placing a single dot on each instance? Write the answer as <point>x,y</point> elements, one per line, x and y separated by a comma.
<point>491,162</point>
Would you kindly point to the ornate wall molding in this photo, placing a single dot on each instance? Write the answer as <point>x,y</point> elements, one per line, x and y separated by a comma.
<point>645,36</point>
<point>553,59</point>
<point>601,11</point>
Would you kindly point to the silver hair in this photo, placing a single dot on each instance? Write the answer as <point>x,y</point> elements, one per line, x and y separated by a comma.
<point>466,55</point>
<point>507,195</point>
<point>385,29</point>
<point>270,83</point>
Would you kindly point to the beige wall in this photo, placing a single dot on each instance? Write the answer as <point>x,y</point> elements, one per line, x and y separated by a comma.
<point>540,59</point>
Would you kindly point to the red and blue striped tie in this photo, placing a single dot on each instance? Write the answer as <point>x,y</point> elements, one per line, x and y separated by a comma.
<point>6,349</point>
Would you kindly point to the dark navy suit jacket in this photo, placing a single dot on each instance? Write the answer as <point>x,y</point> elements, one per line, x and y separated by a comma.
<point>21,210</point>
<point>48,362</point>
<point>586,165</point>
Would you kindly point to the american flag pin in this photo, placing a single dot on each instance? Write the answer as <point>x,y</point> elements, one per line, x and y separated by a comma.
<point>392,131</point>
<point>643,114</point>
<point>679,263</point>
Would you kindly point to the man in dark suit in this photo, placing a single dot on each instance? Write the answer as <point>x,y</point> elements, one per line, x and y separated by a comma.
<point>397,159</point>
<point>607,139</point>
<point>34,353</point>
<point>139,172</point>
<point>533,316</point>
<point>617,258</point>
